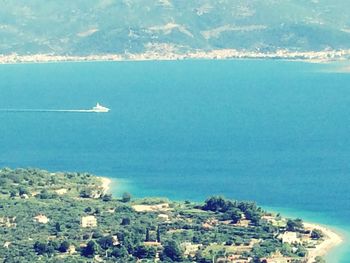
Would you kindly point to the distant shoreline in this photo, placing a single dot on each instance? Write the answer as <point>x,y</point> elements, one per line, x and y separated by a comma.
<point>164,55</point>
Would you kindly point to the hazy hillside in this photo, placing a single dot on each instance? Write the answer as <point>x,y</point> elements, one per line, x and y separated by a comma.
<point>118,26</point>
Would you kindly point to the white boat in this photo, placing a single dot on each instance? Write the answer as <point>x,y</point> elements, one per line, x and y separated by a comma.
<point>100,108</point>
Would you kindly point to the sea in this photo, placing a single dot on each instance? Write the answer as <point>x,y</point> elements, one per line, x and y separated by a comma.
<point>276,132</point>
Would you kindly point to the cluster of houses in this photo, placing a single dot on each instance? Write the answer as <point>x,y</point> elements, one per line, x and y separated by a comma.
<point>233,252</point>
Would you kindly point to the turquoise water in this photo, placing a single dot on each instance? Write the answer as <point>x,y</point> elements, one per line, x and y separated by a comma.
<point>271,131</point>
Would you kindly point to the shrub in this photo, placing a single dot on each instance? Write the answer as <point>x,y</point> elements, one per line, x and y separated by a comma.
<point>64,246</point>
<point>126,197</point>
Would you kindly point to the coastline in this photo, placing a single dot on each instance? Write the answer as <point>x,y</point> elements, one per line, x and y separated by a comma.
<point>169,55</point>
<point>332,239</point>
<point>105,184</point>
<point>335,237</point>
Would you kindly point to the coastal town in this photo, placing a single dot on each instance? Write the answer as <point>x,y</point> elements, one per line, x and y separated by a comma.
<point>170,52</point>
<point>92,225</point>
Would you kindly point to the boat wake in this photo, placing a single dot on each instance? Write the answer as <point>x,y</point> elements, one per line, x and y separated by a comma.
<point>98,109</point>
<point>42,110</point>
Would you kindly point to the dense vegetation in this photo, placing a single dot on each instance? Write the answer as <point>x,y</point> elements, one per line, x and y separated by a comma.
<point>67,217</point>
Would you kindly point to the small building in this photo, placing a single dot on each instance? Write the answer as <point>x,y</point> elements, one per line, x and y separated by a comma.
<point>41,219</point>
<point>71,249</point>
<point>7,244</point>
<point>289,237</point>
<point>115,240</point>
<point>89,221</point>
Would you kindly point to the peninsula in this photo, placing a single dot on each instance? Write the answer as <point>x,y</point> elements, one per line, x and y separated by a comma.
<point>71,217</point>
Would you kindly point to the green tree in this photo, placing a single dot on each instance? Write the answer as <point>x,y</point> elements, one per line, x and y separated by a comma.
<point>50,250</point>
<point>126,197</point>
<point>253,215</point>
<point>216,204</point>
<point>172,251</point>
<point>40,247</point>
<point>107,197</point>
<point>301,251</point>
<point>13,193</point>
<point>125,221</point>
<point>88,209</point>
<point>58,227</point>
<point>23,191</point>
<point>106,242</point>
<point>294,224</point>
<point>119,252</point>
<point>286,250</point>
<point>91,249</point>
<point>86,193</point>
<point>158,235</point>
<point>145,252</point>
<point>97,234</point>
<point>64,246</point>
<point>44,194</point>
<point>147,235</point>
<point>233,214</point>
<point>316,234</point>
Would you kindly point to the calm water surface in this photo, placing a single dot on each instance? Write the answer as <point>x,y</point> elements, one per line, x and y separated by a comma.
<point>271,131</point>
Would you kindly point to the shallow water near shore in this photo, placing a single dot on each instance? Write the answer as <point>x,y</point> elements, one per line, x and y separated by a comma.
<point>271,131</point>
<point>338,253</point>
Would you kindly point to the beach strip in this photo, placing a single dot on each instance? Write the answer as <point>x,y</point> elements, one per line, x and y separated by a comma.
<point>105,184</point>
<point>331,240</point>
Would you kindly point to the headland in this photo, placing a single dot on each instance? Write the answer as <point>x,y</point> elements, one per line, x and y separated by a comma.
<point>72,216</point>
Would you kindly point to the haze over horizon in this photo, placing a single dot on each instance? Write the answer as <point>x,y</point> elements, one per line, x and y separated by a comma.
<point>89,27</point>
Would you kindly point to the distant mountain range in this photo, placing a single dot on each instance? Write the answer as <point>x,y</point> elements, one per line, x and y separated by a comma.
<point>93,27</point>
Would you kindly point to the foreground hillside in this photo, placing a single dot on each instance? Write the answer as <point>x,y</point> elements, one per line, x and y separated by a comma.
<point>69,217</point>
<point>94,27</point>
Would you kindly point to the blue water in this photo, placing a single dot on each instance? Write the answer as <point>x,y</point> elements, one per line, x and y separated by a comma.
<point>271,131</point>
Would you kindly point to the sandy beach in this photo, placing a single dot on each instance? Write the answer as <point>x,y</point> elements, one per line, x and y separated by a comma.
<point>106,182</point>
<point>331,240</point>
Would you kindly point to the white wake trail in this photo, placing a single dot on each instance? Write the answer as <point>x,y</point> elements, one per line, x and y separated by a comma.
<point>43,110</point>
<point>96,109</point>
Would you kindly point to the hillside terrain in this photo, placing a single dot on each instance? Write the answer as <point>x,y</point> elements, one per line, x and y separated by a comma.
<point>95,27</point>
<point>69,217</point>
